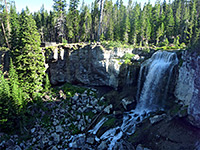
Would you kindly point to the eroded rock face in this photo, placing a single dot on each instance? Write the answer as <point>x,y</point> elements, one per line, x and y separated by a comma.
<point>90,66</point>
<point>188,85</point>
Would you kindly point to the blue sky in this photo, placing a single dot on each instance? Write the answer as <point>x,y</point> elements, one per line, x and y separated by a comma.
<point>35,5</point>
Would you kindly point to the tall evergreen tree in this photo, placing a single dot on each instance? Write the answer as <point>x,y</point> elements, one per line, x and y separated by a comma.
<point>74,17</point>
<point>169,22</point>
<point>177,18</point>
<point>59,8</point>
<point>29,60</point>
<point>15,27</point>
<point>95,20</point>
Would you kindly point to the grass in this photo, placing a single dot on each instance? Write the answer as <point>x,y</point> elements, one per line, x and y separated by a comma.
<point>70,90</point>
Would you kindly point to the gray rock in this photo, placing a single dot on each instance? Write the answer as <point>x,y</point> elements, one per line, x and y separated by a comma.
<point>78,117</point>
<point>34,140</point>
<point>33,130</point>
<point>75,97</point>
<point>108,108</point>
<point>90,140</point>
<point>22,145</point>
<point>55,122</point>
<point>157,118</point>
<point>78,141</point>
<point>56,137</point>
<point>59,129</point>
<point>139,147</point>
<point>125,102</point>
<point>102,146</point>
<point>16,147</point>
<point>10,142</point>
<point>54,148</point>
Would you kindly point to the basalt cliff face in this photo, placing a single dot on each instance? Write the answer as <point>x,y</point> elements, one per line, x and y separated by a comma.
<point>90,65</point>
<point>188,85</point>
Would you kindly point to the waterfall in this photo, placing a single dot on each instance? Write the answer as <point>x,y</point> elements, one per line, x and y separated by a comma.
<point>153,84</point>
<point>156,72</point>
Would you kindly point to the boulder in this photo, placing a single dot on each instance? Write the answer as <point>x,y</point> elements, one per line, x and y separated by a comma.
<point>108,108</point>
<point>157,118</point>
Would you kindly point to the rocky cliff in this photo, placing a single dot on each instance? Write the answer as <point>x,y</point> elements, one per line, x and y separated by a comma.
<point>188,85</point>
<point>90,65</point>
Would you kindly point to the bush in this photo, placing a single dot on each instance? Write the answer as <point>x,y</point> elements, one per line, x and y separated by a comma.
<point>4,49</point>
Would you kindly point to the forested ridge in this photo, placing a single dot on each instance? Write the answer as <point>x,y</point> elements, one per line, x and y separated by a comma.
<point>160,24</point>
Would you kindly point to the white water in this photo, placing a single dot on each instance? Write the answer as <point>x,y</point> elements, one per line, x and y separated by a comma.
<point>157,73</point>
<point>98,125</point>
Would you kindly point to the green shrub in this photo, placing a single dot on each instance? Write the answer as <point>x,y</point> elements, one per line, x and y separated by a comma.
<point>4,49</point>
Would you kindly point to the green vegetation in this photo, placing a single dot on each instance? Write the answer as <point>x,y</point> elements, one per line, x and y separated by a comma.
<point>115,44</point>
<point>110,122</point>
<point>4,49</point>
<point>127,58</point>
<point>70,90</point>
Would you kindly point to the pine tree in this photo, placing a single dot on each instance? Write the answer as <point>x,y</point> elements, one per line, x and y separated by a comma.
<point>178,19</point>
<point>28,59</point>
<point>5,101</point>
<point>82,29</point>
<point>116,21</point>
<point>136,25</point>
<point>95,20</point>
<point>192,21</point>
<point>160,33</point>
<point>14,40</point>
<point>17,94</point>
<point>155,20</point>
<point>74,16</point>
<point>169,23</point>
<point>59,8</point>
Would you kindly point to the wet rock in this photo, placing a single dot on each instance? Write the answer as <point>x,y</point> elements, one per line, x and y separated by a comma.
<point>157,118</point>
<point>102,146</point>
<point>125,102</point>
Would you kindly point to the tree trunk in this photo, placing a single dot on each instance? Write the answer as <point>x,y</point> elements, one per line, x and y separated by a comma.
<point>4,32</point>
<point>100,19</point>
<point>8,22</point>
